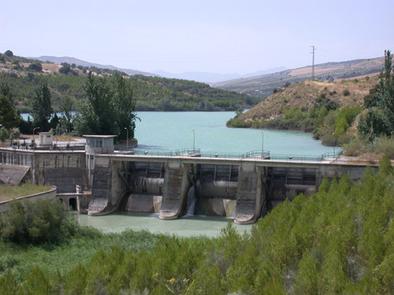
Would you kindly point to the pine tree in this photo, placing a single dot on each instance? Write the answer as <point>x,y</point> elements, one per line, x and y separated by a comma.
<point>380,104</point>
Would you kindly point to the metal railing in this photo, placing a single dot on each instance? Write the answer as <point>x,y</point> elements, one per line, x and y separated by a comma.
<point>249,155</point>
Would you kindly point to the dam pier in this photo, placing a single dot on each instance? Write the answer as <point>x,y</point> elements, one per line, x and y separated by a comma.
<point>173,185</point>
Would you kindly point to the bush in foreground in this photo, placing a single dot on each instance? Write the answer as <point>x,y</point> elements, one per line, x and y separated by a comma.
<point>36,222</point>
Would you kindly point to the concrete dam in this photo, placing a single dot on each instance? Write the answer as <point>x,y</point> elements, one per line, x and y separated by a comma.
<point>242,188</point>
<point>173,186</point>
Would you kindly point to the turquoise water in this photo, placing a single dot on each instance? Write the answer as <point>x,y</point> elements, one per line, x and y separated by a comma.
<point>168,131</point>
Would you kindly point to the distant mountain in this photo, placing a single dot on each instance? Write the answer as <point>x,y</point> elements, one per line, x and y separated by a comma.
<point>24,75</point>
<point>79,62</point>
<point>204,77</point>
<point>263,85</point>
<point>209,77</point>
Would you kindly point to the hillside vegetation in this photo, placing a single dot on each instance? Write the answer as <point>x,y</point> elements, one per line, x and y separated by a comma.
<point>264,85</point>
<point>338,241</point>
<point>151,93</point>
<point>327,109</point>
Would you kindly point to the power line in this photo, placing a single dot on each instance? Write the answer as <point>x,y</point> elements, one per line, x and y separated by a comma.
<point>313,61</point>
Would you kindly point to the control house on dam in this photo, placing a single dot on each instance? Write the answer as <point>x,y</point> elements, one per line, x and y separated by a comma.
<point>243,188</point>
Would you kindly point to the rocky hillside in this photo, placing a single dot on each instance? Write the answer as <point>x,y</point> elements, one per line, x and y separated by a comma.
<point>23,75</point>
<point>264,85</point>
<point>303,96</point>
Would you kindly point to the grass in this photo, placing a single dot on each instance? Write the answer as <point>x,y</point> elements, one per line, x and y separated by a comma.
<point>9,192</point>
<point>20,259</point>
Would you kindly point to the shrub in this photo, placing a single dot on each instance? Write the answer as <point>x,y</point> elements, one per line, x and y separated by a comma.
<point>238,123</point>
<point>385,146</point>
<point>36,222</point>
<point>346,92</point>
<point>35,67</point>
<point>4,134</point>
<point>355,147</point>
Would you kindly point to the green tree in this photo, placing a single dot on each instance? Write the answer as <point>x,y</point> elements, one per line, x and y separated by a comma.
<point>9,53</point>
<point>109,107</point>
<point>65,68</point>
<point>380,104</point>
<point>9,117</point>
<point>35,67</point>
<point>97,114</point>
<point>42,107</point>
<point>67,108</point>
<point>124,105</point>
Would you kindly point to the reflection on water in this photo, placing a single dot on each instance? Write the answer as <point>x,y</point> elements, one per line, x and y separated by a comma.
<point>184,227</point>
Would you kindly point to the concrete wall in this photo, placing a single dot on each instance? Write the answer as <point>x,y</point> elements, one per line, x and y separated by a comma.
<point>244,191</point>
<point>64,169</point>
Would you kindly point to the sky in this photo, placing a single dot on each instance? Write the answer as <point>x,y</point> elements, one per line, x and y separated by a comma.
<point>221,36</point>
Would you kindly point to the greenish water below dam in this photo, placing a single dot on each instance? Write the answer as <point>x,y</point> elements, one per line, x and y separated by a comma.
<point>184,227</point>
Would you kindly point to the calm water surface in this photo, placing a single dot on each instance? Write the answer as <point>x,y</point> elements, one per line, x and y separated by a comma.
<point>169,131</point>
<point>184,227</point>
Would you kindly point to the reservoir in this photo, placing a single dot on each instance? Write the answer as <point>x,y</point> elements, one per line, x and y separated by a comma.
<point>169,131</point>
<point>161,132</point>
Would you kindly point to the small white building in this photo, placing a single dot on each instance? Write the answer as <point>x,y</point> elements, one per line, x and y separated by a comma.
<point>45,139</point>
<point>99,144</point>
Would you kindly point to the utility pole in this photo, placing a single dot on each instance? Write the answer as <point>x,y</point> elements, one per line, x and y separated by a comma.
<point>313,61</point>
<point>127,138</point>
<point>262,143</point>
<point>194,140</point>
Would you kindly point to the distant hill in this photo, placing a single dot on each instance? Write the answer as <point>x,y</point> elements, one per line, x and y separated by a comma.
<point>211,78</point>
<point>263,85</point>
<point>72,60</point>
<point>203,77</point>
<point>24,75</point>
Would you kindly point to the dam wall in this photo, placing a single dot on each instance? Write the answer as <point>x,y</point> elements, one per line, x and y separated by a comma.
<point>243,189</point>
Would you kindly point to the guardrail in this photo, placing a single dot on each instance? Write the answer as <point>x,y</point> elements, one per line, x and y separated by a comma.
<point>55,146</point>
<point>249,155</point>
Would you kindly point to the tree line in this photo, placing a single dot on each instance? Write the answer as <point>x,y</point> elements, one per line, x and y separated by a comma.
<point>108,108</point>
